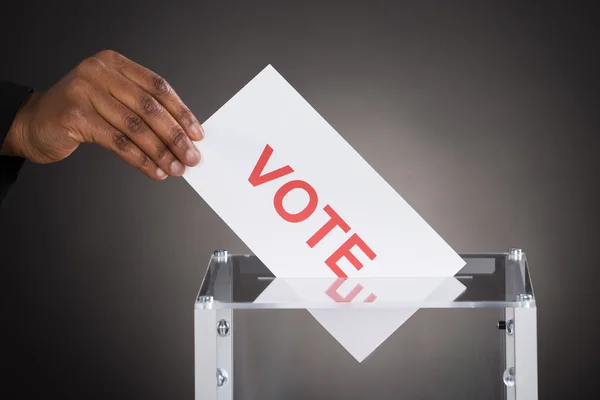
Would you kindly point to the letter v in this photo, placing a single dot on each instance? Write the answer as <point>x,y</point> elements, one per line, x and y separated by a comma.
<point>257,178</point>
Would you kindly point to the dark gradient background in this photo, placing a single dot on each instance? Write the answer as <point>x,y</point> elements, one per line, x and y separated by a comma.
<point>484,118</point>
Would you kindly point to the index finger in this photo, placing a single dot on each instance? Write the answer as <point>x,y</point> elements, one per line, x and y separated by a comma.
<point>160,89</point>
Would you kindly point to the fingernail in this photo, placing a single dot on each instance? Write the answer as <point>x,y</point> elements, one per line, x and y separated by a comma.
<point>177,168</point>
<point>192,156</point>
<point>160,173</point>
<point>197,131</point>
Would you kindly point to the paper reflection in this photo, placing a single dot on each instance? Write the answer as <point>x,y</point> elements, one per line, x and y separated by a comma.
<point>366,290</point>
<point>376,324</point>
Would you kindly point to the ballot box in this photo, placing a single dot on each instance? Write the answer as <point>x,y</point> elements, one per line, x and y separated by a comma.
<point>470,336</point>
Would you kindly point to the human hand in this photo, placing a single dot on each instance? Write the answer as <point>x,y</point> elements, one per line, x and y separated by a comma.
<point>112,101</point>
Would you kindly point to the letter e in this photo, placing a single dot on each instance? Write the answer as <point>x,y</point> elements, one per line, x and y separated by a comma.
<point>345,251</point>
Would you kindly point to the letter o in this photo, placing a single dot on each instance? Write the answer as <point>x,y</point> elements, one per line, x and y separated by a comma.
<point>306,212</point>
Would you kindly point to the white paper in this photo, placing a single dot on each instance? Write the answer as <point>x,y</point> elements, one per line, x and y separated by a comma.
<point>269,119</point>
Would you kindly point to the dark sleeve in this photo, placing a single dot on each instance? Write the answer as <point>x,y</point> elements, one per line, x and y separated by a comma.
<point>11,98</point>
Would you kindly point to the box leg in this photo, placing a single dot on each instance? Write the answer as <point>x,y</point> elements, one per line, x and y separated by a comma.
<point>509,359</point>
<point>225,331</point>
<point>526,353</point>
<point>205,353</point>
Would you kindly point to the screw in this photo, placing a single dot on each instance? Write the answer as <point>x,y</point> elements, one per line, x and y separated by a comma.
<point>205,299</point>
<point>510,327</point>
<point>223,328</point>
<point>515,254</point>
<point>220,255</point>
<point>205,302</point>
<point>222,377</point>
<point>524,297</point>
<point>509,377</point>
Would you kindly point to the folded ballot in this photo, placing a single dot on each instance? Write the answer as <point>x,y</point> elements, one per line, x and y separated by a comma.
<point>308,205</point>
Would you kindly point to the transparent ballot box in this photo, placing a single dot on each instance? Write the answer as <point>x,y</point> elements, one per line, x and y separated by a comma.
<point>471,336</point>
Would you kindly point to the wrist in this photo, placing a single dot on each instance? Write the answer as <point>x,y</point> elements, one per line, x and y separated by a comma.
<point>13,142</point>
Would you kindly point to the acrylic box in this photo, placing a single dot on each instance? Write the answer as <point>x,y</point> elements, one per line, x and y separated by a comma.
<point>479,345</point>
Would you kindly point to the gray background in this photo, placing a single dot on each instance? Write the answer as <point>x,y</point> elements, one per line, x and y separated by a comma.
<point>484,118</point>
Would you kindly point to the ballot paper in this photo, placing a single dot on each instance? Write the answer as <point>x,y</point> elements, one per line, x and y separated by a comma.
<point>308,205</point>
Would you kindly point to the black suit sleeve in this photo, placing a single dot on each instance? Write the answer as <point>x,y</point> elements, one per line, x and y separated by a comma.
<point>11,98</point>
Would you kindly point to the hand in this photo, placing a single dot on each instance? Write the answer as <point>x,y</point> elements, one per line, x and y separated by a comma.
<point>112,101</point>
